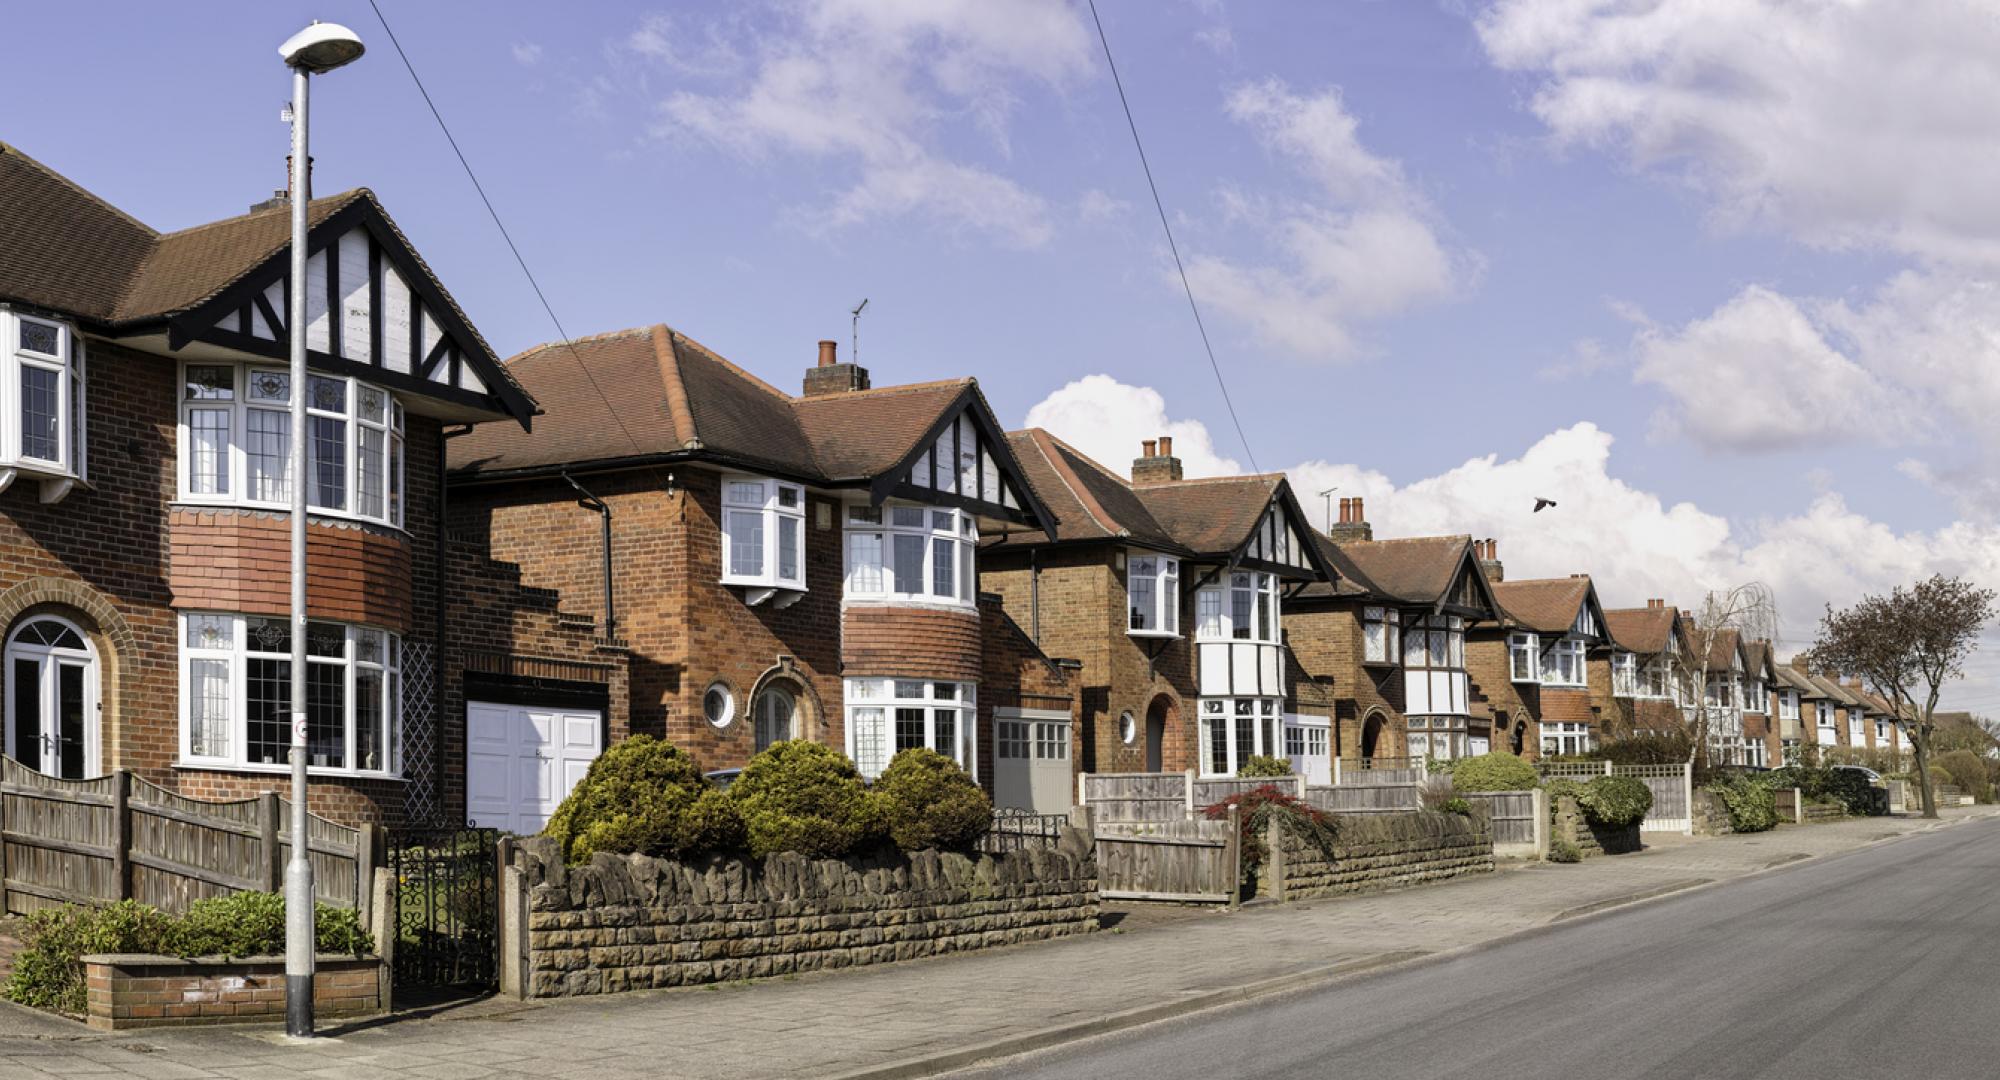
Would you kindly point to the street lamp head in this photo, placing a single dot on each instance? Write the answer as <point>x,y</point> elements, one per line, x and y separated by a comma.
<point>320,48</point>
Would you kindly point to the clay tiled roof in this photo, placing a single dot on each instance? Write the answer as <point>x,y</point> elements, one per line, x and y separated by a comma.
<point>1756,656</point>
<point>1210,515</point>
<point>864,433</point>
<point>1792,678</point>
<point>1840,694</point>
<point>189,267</point>
<point>1089,501</point>
<point>1647,631</point>
<point>1547,605</point>
<point>1417,569</point>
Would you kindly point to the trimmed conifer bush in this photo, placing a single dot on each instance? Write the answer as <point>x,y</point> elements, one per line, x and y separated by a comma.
<point>1494,772</point>
<point>927,802</point>
<point>804,797</point>
<point>644,795</point>
<point>1265,765</point>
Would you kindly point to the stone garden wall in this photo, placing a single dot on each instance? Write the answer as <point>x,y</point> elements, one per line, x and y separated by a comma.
<point>1379,851</point>
<point>633,922</point>
<point>1590,838</point>
<point>1711,814</point>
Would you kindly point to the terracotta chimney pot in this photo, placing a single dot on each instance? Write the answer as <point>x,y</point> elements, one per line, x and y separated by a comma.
<point>1146,448</point>
<point>826,351</point>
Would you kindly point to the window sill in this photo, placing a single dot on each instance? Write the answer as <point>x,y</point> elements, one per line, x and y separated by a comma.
<point>1231,641</point>
<point>916,603</point>
<point>1365,662</point>
<point>1157,635</point>
<point>56,481</point>
<point>1564,686</point>
<point>323,771</point>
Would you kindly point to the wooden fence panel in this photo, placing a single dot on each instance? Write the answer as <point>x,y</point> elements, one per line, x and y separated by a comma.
<point>1364,798</point>
<point>1513,814</point>
<point>1215,789</point>
<point>1670,785</point>
<point>1169,860</point>
<point>1381,777</point>
<point>118,837</point>
<point>1136,796</point>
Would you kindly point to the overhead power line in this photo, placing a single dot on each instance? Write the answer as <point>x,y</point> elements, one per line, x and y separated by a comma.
<point>1166,227</point>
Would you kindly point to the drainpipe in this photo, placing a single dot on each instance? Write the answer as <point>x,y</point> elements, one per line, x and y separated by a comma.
<point>592,502</point>
<point>1034,596</point>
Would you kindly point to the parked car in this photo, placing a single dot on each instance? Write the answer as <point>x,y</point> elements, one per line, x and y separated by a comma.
<point>1878,788</point>
<point>722,778</point>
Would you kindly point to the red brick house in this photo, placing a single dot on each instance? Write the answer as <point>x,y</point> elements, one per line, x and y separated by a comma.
<point>1532,665</point>
<point>1171,594</point>
<point>1806,715</point>
<point>1638,674</point>
<point>1762,738</point>
<point>144,494</point>
<point>683,550</point>
<point>1385,642</point>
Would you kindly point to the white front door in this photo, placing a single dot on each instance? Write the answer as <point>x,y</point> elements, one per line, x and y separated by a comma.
<point>52,719</point>
<point>521,761</point>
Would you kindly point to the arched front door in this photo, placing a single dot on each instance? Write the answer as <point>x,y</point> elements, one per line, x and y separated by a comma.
<point>777,717</point>
<point>1371,735</point>
<point>1156,734</point>
<point>52,717</point>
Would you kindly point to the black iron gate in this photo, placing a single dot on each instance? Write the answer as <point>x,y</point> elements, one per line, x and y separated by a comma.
<point>447,907</point>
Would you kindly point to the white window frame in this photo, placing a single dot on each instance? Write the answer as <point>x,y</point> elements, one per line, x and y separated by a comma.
<point>1567,737</point>
<point>874,578</point>
<point>1826,717</point>
<point>236,654</point>
<point>1754,697</point>
<point>761,501</point>
<point>1161,618</point>
<point>1857,727</point>
<point>871,707</point>
<point>1656,679</point>
<point>236,476</point>
<point>1381,635</point>
<point>1624,674</point>
<point>1222,716</point>
<point>1217,608</point>
<point>1788,704</point>
<point>67,363</point>
<point>1881,731</point>
<point>1563,663</point>
<point>1524,658</point>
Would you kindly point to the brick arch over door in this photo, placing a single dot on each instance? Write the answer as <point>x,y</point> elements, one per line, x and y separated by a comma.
<point>117,647</point>
<point>812,720</point>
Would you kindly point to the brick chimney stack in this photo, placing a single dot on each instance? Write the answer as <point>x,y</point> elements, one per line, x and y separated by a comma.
<point>1353,524</point>
<point>1156,463</point>
<point>831,376</point>
<point>1488,553</point>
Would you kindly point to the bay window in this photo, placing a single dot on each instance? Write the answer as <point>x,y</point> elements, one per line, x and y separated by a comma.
<point>1234,729</point>
<point>236,684</point>
<point>42,412</point>
<point>1721,690</point>
<point>887,716</point>
<point>763,533</point>
<point>1523,658</point>
<point>1566,738</point>
<point>1562,664</point>
<point>1788,705</point>
<point>236,442</point>
<point>1381,635</point>
<point>1153,594</point>
<point>1881,733</point>
<point>906,552</point>
<point>1659,678</point>
<point>1754,698</point>
<point>1244,608</point>
<point>1625,674</point>
<point>1441,737</point>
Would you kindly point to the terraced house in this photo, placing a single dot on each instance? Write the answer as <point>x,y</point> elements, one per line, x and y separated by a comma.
<point>1532,665</point>
<point>145,487</point>
<point>1638,675</point>
<point>1171,594</point>
<point>683,550</point>
<point>1385,642</point>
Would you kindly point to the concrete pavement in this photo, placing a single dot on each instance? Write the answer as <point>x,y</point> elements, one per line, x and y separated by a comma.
<point>921,1017</point>
<point>1876,964</point>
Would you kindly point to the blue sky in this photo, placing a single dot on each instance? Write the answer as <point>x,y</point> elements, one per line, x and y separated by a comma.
<point>1665,263</point>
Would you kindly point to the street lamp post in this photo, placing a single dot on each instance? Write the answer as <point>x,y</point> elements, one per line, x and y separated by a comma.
<point>317,49</point>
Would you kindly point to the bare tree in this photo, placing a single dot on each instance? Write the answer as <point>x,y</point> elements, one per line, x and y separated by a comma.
<point>1906,646</point>
<point>1748,612</point>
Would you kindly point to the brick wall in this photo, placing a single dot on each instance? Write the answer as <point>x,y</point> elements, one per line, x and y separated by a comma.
<point>1013,674</point>
<point>127,991</point>
<point>227,559</point>
<point>911,643</point>
<point>1326,638</point>
<point>1511,705</point>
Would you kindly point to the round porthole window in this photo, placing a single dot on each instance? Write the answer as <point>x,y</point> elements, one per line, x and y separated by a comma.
<point>1128,728</point>
<point>719,705</point>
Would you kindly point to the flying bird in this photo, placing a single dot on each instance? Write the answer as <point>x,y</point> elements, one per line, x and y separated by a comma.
<point>1542,504</point>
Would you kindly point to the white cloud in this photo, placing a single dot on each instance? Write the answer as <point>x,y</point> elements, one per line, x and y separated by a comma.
<point>1849,123</point>
<point>872,86</point>
<point>527,53</point>
<point>1363,244</point>
<point>1634,544</point>
<point>1097,206</point>
<point>1107,419</point>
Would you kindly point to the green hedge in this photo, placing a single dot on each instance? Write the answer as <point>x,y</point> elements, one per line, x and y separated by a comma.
<point>1611,801</point>
<point>1753,807</point>
<point>1968,773</point>
<point>1265,765</point>
<point>48,972</point>
<point>805,797</point>
<point>1494,772</point>
<point>926,801</point>
<point>645,795</point>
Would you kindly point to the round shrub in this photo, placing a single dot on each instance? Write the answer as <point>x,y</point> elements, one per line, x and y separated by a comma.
<point>804,797</point>
<point>1968,773</point>
<point>1494,772</point>
<point>1752,806</point>
<point>641,796</point>
<point>1616,801</point>
<point>926,801</point>
<point>1265,765</point>
<point>1562,851</point>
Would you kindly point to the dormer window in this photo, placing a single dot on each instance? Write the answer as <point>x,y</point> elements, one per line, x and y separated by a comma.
<point>41,402</point>
<point>1523,658</point>
<point>763,533</point>
<point>1382,635</point>
<point>911,552</point>
<point>1562,664</point>
<point>1245,608</point>
<point>1153,594</point>
<point>1625,674</point>
<point>236,442</point>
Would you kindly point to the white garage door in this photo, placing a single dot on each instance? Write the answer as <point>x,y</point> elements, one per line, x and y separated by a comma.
<point>1031,768</point>
<point>522,760</point>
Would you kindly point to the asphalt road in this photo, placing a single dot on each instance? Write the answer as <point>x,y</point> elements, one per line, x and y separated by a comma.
<point>1883,962</point>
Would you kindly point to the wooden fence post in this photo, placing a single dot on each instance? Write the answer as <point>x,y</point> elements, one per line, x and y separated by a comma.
<point>1336,772</point>
<point>1187,794</point>
<point>121,834</point>
<point>5,763</point>
<point>267,833</point>
<point>1540,804</point>
<point>1234,853</point>
<point>1083,789</point>
<point>364,871</point>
